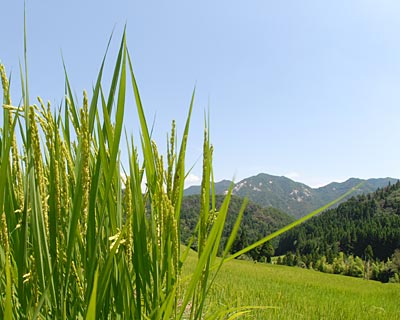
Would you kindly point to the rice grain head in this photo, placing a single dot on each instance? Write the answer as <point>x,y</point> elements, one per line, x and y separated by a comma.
<point>85,153</point>
<point>38,165</point>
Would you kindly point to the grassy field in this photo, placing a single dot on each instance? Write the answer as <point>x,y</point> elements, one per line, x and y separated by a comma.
<point>295,293</point>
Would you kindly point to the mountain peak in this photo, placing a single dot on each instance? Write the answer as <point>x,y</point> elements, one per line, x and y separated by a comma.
<point>295,198</point>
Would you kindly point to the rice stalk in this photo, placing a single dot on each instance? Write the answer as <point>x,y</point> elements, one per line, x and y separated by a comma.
<point>6,246</point>
<point>38,165</point>
<point>87,242</point>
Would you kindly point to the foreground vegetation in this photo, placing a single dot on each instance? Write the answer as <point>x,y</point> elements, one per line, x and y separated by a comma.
<point>81,236</point>
<point>295,293</point>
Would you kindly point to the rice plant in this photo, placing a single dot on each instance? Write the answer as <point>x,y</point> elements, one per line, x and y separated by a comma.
<point>80,237</point>
<point>296,293</point>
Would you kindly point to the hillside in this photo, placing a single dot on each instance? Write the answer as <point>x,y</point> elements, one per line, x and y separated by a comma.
<point>294,198</point>
<point>220,188</point>
<point>257,221</point>
<point>367,226</point>
<point>296,293</point>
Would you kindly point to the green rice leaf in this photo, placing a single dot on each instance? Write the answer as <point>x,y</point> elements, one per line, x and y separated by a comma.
<point>91,312</point>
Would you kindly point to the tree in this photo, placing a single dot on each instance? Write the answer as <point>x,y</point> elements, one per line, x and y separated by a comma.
<point>395,266</point>
<point>339,265</point>
<point>396,261</point>
<point>356,267</point>
<point>267,251</point>
<point>368,254</point>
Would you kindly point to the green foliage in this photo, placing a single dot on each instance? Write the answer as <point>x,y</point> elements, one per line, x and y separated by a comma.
<point>367,226</point>
<point>359,238</point>
<point>396,261</point>
<point>256,223</point>
<point>80,237</point>
<point>384,271</point>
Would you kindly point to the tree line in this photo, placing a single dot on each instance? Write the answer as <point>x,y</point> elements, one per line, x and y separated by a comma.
<point>359,237</point>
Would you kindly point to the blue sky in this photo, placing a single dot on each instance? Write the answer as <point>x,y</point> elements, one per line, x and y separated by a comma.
<point>305,89</point>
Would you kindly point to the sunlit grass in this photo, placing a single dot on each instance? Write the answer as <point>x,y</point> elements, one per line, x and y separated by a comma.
<point>295,293</point>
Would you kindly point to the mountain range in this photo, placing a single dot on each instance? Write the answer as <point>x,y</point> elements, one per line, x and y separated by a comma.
<point>294,198</point>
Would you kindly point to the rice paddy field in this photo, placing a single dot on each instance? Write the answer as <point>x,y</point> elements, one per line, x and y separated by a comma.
<point>81,238</point>
<point>295,293</point>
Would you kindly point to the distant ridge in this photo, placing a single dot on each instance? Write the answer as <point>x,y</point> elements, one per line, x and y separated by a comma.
<point>220,188</point>
<point>294,198</point>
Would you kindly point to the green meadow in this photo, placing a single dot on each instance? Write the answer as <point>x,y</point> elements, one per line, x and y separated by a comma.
<point>295,293</point>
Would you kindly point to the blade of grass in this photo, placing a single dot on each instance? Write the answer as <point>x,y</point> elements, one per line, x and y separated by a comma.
<point>108,164</point>
<point>146,141</point>
<point>208,255</point>
<point>293,224</point>
<point>91,312</point>
<point>235,229</point>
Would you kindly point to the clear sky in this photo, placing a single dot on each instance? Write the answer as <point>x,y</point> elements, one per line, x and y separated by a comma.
<point>306,89</point>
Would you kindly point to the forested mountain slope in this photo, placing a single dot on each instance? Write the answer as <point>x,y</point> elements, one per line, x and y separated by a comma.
<point>257,221</point>
<point>367,226</point>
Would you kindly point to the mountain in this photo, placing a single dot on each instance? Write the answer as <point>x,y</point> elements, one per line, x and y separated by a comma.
<point>220,188</point>
<point>367,226</point>
<point>335,189</point>
<point>297,199</point>
<point>257,221</point>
